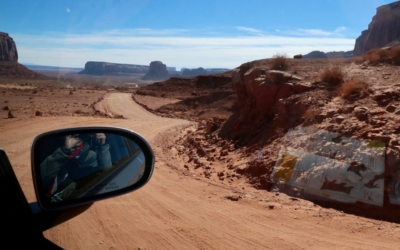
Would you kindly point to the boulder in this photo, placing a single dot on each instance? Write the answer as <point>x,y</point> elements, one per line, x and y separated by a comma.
<point>10,115</point>
<point>383,29</point>
<point>361,113</point>
<point>299,56</point>
<point>157,71</point>
<point>8,49</point>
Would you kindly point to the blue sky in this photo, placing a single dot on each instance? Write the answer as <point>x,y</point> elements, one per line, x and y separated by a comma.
<point>180,33</point>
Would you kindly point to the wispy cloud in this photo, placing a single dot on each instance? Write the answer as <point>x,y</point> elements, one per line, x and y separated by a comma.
<point>314,32</point>
<point>175,47</point>
<point>248,29</point>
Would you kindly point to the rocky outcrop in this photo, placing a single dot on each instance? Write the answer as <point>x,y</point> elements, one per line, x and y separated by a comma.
<point>105,68</point>
<point>8,49</point>
<point>157,71</point>
<point>383,29</point>
<point>263,98</point>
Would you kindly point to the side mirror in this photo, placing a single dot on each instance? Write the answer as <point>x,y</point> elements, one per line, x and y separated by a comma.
<point>77,166</point>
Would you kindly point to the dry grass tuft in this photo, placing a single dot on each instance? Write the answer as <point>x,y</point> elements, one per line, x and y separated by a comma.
<point>279,61</point>
<point>354,89</point>
<point>333,76</point>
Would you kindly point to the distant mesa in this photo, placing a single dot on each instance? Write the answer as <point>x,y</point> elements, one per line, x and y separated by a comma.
<point>8,49</point>
<point>193,72</point>
<point>201,71</point>
<point>157,71</point>
<point>315,54</point>
<point>383,29</point>
<point>334,54</point>
<point>106,68</point>
<point>9,66</point>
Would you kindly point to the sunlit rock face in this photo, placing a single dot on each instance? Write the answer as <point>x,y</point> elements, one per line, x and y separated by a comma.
<point>383,29</point>
<point>8,49</point>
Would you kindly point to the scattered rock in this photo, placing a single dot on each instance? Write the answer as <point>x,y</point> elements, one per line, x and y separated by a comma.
<point>5,108</point>
<point>361,113</point>
<point>10,115</point>
<point>391,108</point>
<point>233,197</point>
<point>339,119</point>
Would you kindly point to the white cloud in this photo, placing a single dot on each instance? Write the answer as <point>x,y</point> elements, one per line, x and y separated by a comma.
<point>247,29</point>
<point>175,47</point>
<point>314,32</point>
<point>68,10</point>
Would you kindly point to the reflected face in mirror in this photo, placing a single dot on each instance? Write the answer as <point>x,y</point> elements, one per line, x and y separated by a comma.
<point>81,165</point>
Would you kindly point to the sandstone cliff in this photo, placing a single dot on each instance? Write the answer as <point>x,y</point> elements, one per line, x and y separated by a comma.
<point>383,29</point>
<point>105,68</point>
<point>8,50</point>
<point>157,71</point>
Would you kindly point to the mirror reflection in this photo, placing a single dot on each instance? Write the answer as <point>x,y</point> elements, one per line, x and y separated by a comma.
<point>85,164</point>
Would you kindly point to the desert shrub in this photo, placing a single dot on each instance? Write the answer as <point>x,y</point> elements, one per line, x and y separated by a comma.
<point>357,88</point>
<point>78,111</point>
<point>333,76</point>
<point>279,61</point>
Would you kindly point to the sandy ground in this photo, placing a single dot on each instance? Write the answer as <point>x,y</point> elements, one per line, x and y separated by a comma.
<point>178,210</point>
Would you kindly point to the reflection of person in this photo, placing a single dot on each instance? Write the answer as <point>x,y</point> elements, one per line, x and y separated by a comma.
<point>61,170</point>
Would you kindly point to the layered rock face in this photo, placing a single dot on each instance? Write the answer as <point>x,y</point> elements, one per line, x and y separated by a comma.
<point>384,29</point>
<point>105,68</point>
<point>157,71</point>
<point>264,97</point>
<point>8,49</point>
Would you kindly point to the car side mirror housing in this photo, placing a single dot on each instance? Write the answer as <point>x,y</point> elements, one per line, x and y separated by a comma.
<point>77,166</point>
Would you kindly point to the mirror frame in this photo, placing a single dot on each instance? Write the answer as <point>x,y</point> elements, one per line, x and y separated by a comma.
<point>35,163</point>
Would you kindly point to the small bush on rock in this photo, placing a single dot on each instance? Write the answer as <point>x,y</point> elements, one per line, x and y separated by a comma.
<point>354,88</point>
<point>332,76</point>
<point>279,62</point>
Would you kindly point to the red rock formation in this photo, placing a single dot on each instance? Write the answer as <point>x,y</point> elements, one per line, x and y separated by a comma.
<point>263,97</point>
<point>8,50</point>
<point>384,29</point>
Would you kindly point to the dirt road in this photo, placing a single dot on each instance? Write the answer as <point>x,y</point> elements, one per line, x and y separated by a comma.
<point>176,210</point>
